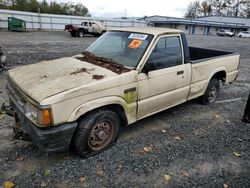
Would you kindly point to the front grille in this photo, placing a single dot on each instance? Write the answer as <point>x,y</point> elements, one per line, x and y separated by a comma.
<point>16,96</point>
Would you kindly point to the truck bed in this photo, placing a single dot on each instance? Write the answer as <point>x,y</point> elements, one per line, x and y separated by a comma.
<point>206,63</point>
<point>199,54</point>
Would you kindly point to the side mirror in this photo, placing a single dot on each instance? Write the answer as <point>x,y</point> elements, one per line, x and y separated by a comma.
<point>149,66</point>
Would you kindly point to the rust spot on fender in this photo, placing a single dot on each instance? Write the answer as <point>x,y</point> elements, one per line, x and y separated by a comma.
<point>97,77</point>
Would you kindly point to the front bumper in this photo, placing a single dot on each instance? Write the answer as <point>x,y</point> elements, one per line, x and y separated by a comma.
<point>50,139</point>
<point>53,139</point>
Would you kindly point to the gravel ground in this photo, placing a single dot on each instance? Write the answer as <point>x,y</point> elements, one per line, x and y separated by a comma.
<point>192,144</point>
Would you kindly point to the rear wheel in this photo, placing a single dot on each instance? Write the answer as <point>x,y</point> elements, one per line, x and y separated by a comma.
<point>211,92</point>
<point>96,132</point>
<point>240,36</point>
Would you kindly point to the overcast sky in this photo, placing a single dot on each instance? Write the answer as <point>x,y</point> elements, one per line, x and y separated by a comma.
<point>134,8</point>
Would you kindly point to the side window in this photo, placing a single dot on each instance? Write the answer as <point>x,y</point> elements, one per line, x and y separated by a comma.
<point>94,25</point>
<point>167,53</point>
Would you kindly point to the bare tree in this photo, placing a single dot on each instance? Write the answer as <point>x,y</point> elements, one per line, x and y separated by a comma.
<point>206,8</point>
<point>192,11</point>
<point>219,8</point>
<point>245,8</point>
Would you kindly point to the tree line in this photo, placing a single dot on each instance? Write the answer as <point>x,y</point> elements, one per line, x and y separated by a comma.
<point>77,9</point>
<point>235,8</point>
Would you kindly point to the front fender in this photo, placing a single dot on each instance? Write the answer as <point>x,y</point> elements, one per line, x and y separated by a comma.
<point>129,109</point>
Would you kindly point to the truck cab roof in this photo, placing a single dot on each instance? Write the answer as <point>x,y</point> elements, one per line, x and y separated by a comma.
<point>149,30</point>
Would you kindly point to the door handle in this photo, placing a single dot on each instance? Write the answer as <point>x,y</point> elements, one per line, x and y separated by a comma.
<point>180,72</point>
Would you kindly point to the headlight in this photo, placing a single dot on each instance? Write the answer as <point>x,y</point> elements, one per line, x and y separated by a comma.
<point>42,117</point>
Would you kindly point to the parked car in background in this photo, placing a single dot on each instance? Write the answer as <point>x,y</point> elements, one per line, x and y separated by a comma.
<point>244,34</point>
<point>87,27</point>
<point>224,32</point>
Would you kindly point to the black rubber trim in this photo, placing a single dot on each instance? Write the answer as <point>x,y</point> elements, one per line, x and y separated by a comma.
<point>51,139</point>
<point>185,48</point>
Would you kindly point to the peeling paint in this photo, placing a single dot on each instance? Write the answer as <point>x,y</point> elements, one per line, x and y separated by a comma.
<point>82,70</point>
<point>130,95</point>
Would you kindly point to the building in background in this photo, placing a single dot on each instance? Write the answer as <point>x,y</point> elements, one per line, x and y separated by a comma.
<point>202,26</point>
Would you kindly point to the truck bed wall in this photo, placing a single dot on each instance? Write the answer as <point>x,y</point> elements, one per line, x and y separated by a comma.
<point>204,71</point>
<point>203,53</point>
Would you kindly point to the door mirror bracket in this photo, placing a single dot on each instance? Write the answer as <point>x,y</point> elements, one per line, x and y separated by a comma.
<point>149,66</point>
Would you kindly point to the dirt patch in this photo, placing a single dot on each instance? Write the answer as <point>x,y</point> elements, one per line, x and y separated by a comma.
<point>97,77</point>
<point>102,62</point>
<point>43,76</point>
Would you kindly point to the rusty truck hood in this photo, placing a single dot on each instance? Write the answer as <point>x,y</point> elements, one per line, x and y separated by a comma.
<point>45,79</point>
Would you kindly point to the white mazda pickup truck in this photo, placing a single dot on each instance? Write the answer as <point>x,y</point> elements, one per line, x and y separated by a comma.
<point>124,76</point>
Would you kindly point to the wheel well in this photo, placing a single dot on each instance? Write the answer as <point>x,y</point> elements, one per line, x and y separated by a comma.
<point>113,107</point>
<point>220,76</point>
<point>81,30</point>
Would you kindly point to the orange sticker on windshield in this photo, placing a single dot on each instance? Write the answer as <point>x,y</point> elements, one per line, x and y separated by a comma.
<point>135,44</point>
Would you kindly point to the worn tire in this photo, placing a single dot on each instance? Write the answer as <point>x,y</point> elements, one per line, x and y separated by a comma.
<point>80,34</point>
<point>87,125</point>
<point>211,92</point>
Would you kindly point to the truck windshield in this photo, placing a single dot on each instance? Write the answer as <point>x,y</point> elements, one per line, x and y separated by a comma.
<point>124,48</point>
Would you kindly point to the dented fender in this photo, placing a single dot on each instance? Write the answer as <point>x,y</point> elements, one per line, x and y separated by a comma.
<point>219,69</point>
<point>129,109</point>
<point>199,84</point>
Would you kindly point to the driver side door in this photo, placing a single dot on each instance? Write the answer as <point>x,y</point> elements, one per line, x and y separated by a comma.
<point>165,78</point>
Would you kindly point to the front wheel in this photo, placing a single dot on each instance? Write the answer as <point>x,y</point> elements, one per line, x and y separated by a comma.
<point>211,92</point>
<point>96,132</point>
<point>81,34</point>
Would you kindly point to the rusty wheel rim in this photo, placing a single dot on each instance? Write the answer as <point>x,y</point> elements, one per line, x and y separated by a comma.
<point>101,135</point>
<point>212,94</point>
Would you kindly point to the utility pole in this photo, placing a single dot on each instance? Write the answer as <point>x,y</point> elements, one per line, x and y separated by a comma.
<point>39,18</point>
<point>238,8</point>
